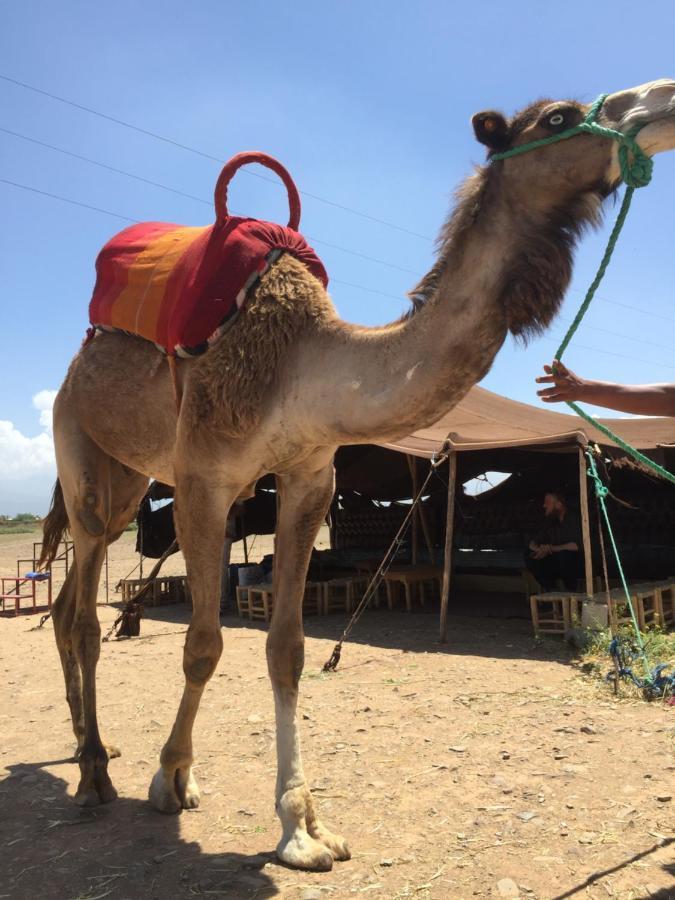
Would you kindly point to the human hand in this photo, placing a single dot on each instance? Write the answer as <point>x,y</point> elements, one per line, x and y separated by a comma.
<point>567,385</point>
<point>542,551</point>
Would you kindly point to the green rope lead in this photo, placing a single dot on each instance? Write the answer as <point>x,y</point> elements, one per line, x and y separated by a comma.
<point>601,492</point>
<point>590,293</point>
<point>640,457</point>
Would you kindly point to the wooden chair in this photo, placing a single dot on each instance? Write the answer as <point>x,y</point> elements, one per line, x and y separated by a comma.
<point>413,580</point>
<point>242,601</point>
<point>23,590</point>
<point>261,600</point>
<point>555,611</point>
<point>667,591</point>
<point>342,594</point>
<point>312,602</point>
<point>338,595</point>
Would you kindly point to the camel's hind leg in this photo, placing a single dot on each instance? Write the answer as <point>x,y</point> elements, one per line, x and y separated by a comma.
<point>304,500</point>
<point>126,490</point>
<point>63,611</point>
<point>88,479</point>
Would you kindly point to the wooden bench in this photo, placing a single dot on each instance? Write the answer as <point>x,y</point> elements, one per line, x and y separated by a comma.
<point>413,579</point>
<point>165,590</point>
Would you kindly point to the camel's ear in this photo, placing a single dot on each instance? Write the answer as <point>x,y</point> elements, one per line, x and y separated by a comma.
<point>491,129</point>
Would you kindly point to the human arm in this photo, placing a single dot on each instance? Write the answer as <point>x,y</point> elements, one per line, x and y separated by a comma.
<point>639,399</point>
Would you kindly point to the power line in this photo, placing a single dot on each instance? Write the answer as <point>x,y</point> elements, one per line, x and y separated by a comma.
<point>209,156</point>
<point>362,287</point>
<point>164,187</point>
<point>101,165</point>
<point>644,312</point>
<point>108,212</point>
<point>618,334</point>
<point>577,346</point>
<point>209,203</point>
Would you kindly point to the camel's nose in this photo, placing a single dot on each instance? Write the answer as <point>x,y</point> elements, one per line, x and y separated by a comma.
<point>641,105</point>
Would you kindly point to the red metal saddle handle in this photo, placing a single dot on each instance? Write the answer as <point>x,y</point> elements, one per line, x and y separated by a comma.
<point>255,156</point>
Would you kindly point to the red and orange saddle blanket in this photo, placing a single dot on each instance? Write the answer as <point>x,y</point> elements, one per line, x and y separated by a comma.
<point>179,286</point>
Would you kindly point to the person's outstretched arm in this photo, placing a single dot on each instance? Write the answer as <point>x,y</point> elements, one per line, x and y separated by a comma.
<point>639,399</point>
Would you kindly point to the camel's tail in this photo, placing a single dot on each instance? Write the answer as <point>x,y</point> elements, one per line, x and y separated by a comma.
<point>53,527</point>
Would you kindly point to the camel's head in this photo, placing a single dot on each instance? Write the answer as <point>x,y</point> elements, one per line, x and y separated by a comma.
<point>555,189</point>
<point>566,168</point>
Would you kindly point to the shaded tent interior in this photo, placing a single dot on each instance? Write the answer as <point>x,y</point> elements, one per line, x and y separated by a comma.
<point>540,448</point>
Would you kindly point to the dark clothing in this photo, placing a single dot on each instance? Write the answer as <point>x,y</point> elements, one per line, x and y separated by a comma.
<point>555,532</point>
<point>566,565</point>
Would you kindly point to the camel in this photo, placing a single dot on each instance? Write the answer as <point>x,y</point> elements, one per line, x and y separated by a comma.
<point>279,391</point>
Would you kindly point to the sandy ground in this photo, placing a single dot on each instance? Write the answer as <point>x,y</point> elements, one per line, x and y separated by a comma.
<point>488,767</point>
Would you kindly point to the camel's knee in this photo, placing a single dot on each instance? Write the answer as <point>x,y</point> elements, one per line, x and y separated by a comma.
<point>86,639</point>
<point>285,661</point>
<point>91,506</point>
<point>203,648</point>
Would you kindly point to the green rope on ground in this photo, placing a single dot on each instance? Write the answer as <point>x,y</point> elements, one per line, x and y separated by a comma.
<point>601,492</point>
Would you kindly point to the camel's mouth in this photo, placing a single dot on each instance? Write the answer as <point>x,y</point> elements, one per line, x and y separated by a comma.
<point>658,135</point>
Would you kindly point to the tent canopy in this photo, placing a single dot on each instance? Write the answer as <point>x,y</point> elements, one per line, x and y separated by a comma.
<point>483,421</point>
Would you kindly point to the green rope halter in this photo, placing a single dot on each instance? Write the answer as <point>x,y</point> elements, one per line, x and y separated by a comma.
<point>636,166</point>
<point>636,171</point>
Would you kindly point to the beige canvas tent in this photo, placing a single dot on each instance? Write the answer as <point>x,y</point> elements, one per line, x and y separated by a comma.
<point>485,421</point>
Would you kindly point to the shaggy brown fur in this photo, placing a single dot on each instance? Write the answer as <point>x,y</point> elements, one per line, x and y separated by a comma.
<point>540,272</point>
<point>230,390</point>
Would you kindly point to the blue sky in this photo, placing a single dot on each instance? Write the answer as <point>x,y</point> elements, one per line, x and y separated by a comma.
<point>368,104</point>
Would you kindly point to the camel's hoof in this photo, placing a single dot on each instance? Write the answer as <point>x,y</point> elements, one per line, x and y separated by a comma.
<point>162,794</point>
<point>93,794</point>
<point>303,852</point>
<point>335,843</point>
<point>187,789</point>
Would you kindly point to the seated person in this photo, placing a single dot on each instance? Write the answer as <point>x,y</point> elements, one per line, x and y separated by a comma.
<point>555,551</point>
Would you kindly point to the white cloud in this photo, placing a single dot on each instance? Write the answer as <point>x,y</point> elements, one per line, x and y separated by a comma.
<point>44,401</point>
<point>21,455</point>
<point>27,464</point>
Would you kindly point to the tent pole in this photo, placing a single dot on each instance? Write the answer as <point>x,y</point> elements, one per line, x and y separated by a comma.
<point>447,561</point>
<point>585,521</point>
<point>412,465</point>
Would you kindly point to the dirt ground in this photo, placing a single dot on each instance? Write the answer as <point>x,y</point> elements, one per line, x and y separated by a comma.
<point>487,767</point>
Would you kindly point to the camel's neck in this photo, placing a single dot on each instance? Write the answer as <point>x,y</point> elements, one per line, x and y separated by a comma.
<point>383,383</point>
<point>391,382</point>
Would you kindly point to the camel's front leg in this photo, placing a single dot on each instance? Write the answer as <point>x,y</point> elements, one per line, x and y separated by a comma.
<point>201,510</point>
<point>304,500</point>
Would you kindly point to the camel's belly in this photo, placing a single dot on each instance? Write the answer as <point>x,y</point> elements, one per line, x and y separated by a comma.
<point>120,390</point>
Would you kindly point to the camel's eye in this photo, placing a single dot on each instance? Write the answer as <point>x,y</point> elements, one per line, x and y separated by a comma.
<point>556,119</point>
